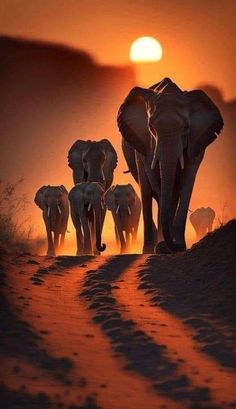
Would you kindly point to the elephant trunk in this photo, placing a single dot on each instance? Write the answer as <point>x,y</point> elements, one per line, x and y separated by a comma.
<point>97,216</point>
<point>95,173</point>
<point>53,215</point>
<point>168,174</point>
<point>117,221</point>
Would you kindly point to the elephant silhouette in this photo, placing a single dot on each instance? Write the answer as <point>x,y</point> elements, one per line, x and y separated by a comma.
<point>125,205</point>
<point>202,220</point>
<point>165,132</point>
<point>53,201</point>
<point>86,203</point>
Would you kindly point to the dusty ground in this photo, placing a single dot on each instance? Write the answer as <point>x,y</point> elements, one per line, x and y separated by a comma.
<point>120,332</point>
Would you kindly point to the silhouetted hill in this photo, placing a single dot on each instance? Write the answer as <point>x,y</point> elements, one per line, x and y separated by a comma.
<point>50,96</point>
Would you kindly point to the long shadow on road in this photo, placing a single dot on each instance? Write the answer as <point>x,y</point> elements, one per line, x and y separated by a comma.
<point>143,355</point>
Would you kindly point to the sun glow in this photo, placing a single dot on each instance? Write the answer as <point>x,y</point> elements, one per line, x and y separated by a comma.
<point>145,49</point>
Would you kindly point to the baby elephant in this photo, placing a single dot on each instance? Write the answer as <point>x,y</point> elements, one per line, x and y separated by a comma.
<point>86,203</point>
<point>202,220</point>
<point>125,206</point>
<point>53,201</point>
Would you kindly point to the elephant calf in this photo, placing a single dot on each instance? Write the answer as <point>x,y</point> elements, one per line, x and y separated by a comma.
<point>202,220</point>
<point>86,203</point>
<point>53,201</point>
<point>125,206</point>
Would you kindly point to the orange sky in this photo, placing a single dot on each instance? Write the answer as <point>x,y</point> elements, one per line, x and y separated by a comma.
<point>198,37</point>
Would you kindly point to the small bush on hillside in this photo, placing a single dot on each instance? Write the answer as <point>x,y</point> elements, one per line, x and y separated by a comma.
<point>16,233</point>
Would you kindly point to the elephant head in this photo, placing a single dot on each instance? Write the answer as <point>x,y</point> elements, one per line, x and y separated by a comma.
<point>52,200</point>
<point>202,220</point>
<point>170,128</point>
<point>120,200</point>
<point>93,161</point>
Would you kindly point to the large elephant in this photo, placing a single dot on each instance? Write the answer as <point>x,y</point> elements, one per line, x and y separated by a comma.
<point>202,220</point>
<point>53,201</point>
<point>93,162</point>
<point>125,206</point>
<point>165,133</point>
<point>86,203</point>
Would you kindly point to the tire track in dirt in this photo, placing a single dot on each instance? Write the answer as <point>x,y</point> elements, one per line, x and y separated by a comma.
<point>176,336</point>
<point>143,354</point>
<point>61,316</point>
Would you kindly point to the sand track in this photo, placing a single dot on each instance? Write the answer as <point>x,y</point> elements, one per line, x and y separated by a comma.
<point>91,338</point>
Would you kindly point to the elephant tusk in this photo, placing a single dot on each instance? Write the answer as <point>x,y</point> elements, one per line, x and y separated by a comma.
<point>59,210</point>
<point>102,205</point>
<point>129,210</point>
<point>89,206</point>
<point>48,211</point>
<point>181,160</point>
<point>117,209</point>
<point>102,175</point>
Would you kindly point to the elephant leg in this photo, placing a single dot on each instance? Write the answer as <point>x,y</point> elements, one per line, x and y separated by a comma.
<point>80,241</point>
<point>51,249</point>
<point>187,184</point>
<point>93,238</point>
<point>79,234</point>
<point>117,236</point>
<point>56,240</point>
<point>134,235</point>
<point>62,239</point>
<point>146,196</point>
<point>87,235</point>
<point>127,237</point>
<point>103,219</point>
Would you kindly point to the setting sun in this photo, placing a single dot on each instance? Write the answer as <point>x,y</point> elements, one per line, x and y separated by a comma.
<point>145,49</point>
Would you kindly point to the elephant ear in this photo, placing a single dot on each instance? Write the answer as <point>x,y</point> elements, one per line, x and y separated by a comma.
<point>132,118</point>
<point>65,195</point>
<point>206,122</point>
<point>39,197</point>
<point>109,198</point>
<point>111,155</point>
<point>63,190</point>
<point>131,188</point>
<point>75,153</point>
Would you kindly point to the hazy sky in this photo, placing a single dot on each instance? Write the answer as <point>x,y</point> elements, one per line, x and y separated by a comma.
<point>198,36</point>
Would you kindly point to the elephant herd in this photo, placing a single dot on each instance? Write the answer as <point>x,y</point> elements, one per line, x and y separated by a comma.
<point>165,132</point>
<point>93,164</point>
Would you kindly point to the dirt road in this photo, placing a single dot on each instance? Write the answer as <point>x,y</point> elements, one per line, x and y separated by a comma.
<point>97,332</point>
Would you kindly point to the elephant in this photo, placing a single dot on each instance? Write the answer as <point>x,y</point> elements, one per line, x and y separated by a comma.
<point>202,220</point>
<point>53,201</point>
<point>125,206</point>
<point>165,132</point>
<point>93,162</point>
<point>87,205</point>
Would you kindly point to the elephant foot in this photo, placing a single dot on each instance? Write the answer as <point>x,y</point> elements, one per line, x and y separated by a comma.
<point>123,250</point>
<point>87,252</point>
<point>161,248</point>
<point>148,249</point>
<point>181,246</point>
<point>51,254</point>
<point>79,253</point>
